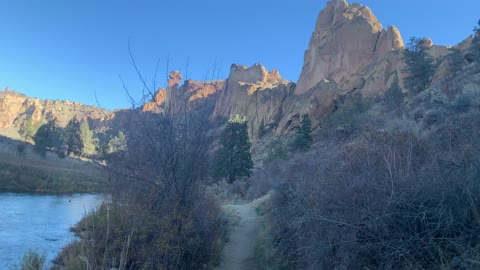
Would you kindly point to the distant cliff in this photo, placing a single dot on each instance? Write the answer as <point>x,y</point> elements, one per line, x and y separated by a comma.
<point>16,109</point>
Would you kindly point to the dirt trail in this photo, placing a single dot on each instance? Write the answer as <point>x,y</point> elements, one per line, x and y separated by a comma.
<point>239,252</point>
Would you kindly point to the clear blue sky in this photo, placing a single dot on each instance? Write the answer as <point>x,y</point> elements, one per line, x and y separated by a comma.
<point>61,49</point>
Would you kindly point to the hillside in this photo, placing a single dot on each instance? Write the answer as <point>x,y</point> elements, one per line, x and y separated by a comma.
<point>24,171</point>
<point>16,109</point>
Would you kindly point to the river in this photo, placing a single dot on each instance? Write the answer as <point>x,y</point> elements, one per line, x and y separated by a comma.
<point>39,222</point>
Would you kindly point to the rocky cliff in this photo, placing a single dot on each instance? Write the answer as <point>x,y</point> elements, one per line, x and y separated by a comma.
<point>347,39</point>
<point>255,93</point>
<point>349,52</point>
<point>183,95</point>
<point>16,109</point>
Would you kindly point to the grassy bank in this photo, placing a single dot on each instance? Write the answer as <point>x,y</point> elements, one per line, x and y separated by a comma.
<point>26,172</point>
<point>20,178</point>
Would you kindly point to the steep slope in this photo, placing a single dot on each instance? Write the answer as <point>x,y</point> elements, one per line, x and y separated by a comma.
<point>16,109</point>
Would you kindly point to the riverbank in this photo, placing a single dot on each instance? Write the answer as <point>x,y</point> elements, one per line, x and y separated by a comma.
<point>26,172</point>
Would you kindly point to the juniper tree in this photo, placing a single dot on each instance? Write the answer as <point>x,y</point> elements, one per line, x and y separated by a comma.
<point>86,136</point>
<point>419,66</point>
<point>47,137</point>
<point>28,130</point>
<point>303,140</point>
<point>233,159</point>
<point>72,138</point>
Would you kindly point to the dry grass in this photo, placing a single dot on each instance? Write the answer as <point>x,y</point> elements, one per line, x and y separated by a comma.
<point>382,200</point>
<point>25,171</point>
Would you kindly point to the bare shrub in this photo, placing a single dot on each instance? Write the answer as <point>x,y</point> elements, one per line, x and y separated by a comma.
<point>160,217</point>
<point>389,200</point>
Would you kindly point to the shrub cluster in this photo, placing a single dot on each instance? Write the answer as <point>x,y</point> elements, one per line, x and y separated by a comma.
<point>160,217</point>
<point>386,200</point>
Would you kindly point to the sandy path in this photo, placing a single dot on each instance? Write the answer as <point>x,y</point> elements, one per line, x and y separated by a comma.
<point>239,252</point>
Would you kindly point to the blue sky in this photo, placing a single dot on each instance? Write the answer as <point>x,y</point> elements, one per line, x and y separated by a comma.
<point>74,50</point>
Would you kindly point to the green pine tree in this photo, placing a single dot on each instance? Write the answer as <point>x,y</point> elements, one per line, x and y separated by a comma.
<point>86,136</point>
<point>47,137</point>
<point>419,66</point>
<point>117,144</point>
<point>233,159</point>
<point>28,130</point>
<point>72,138</point>
<point>303,140</point>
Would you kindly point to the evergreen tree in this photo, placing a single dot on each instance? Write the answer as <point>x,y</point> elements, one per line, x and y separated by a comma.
<point>117,143</point>
<point>72,137</point>
<point>86,136</point>
<point>303,140</point>
<point>419,66</point>
<point>233,159</point>
<point>28,130</point>
<point>47,137</point>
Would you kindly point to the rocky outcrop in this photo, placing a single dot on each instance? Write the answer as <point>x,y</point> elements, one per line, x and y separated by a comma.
<point>255,93</point>
<point>17,108</point>
<point>190,94</point>
<point>157,103</point>
<point>347,38</point>
<point>178,97</point>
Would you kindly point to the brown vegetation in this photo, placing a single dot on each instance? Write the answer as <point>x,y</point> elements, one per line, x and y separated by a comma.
<point>22,170</point>
<point>383,199</point>
<point>160,217</point>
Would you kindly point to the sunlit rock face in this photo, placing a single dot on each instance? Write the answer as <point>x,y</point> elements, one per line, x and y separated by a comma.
<point>347,38</point>
<point>349,51</point>
<point>157,103</point>
<point>16,109</point>
<point>253,92</point>
<point>181,95</point>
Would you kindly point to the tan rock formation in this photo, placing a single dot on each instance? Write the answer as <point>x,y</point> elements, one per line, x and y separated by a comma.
<point>17,108</point>
<point>346,39</point>
<point>255,93</point>
<point>157,103</point>
<point>426,43</point>
<point>189,94</point>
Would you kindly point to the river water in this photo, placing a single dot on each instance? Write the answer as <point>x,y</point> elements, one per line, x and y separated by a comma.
<point>39,222</point>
